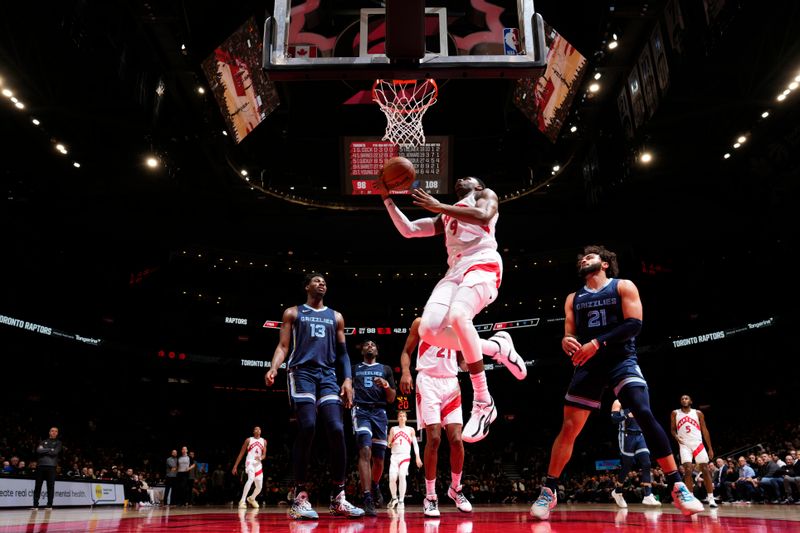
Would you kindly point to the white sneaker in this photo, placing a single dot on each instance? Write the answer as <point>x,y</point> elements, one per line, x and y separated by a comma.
<point>711,501</point>
<point>341,507</point>
<point>462,503</point>
<point>392,503</point>
<point>545,503</point>
<point>242,505</point>
<point>401,506</point>
<point>620,499</point>
<point>252,501</point>
<point>651,500</point>
<point>430,507</point>
<point>508,356</point>
<point>301,508</point>
<point>685,500</point>
<point>477,427</point>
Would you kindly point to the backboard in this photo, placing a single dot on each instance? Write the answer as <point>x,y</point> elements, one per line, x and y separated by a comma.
<point>347,39</point>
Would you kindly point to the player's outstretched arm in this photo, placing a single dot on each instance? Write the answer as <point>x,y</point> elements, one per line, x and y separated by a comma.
<point>289,316</point>
<point>406,381</point>
<point>422,227</point>
<point>241,454</point>
<point>485,207</point>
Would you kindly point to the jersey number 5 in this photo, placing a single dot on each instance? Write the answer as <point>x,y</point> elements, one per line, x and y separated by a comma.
<point>317,330</point>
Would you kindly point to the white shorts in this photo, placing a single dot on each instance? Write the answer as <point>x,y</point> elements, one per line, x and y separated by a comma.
<point>484,273</point>
<point>254,469</point>
<point>438,401</point>
<point>399,464</point>
<point>693,451</point>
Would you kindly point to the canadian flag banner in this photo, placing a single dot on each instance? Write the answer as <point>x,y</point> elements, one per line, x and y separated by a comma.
<point>302,50</point>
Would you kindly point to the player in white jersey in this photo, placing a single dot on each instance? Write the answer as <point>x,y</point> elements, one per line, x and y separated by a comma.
<point>256,449</point>
<point>401,439</point>
<point>470,284</point>
<point>438,404</point>
<point>689,429</point>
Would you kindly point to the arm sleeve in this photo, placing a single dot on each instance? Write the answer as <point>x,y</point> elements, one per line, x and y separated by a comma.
<point>423,227</point>
<point>389,376</point>
<point>343,360</point>
<point>629,328</point>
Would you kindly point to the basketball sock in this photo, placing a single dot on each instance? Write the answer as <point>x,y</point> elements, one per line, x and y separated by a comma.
<point>298,489</point>
<point>480,387</point>
<point>430,487</point>
<point>336,489</point>
<point>672,478</point>
<point>648,490</point>
<point>456,479</point>
<point>551,483</point>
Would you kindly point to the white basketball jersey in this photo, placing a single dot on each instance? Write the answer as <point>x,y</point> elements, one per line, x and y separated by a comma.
<point>688,426</point>
<point>256,449</point>
<point>435,361</point>
<point>401,444</point>
<point>468,241</point>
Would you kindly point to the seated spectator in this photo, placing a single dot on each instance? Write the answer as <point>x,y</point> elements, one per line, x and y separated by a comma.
<point>770,478</point>
<point>791,476</point>
<point>745,484</point>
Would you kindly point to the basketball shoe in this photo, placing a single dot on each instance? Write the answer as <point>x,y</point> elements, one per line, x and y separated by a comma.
<point>651,501</point>
<point>301,508</point>
<point>483,414</point>
<point>508,356</point>
<point>685,500</point>
<point>619,499</point>
<point>544,504</point>
<point>430,507</point>
<point>392,503</point>
<point>252,501</point>
<point>461,501</point>
<point>341,507</point>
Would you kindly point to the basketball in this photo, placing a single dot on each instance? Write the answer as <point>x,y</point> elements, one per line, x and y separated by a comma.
<point>398,174</point>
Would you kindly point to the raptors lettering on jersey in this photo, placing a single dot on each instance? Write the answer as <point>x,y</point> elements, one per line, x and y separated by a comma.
<point>688,425</point>
<point>401,443</point>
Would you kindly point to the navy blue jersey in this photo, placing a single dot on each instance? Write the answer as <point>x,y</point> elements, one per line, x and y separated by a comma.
<point>599,312</point>
<point>629,423</point>
<point>313,338</point>
<point>364,388</point>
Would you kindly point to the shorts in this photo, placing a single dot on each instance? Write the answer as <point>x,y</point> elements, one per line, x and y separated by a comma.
<point>398,465</point>
<point>632,445</point>
<point>316,385</point>
<point>590,380</point>
<point>370,426</point>
<point>254,469</point>
<point>438,401</point>
<point>693,451</point>
<point>486,273</point>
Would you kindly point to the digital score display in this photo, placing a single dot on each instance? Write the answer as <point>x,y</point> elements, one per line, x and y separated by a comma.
<point>364,158</point>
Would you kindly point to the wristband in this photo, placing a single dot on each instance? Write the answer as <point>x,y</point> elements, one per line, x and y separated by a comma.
<point>596,343</point>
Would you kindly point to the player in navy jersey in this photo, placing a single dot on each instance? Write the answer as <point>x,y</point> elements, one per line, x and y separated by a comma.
<point>374,387</point>
<point>602,320</point>
<point>318,351</point>
<point>633,451</point>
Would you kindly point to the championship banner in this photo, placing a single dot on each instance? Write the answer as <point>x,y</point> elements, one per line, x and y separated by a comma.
<point>660,58</point>
<point>625,113</point>
<point>17,492</point>
<point>546,101</point>
<point>648,77</point>
<point>242,90</point>
<point>637,99</point>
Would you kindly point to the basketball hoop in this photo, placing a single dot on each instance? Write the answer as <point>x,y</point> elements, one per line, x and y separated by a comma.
<point>404,103</point>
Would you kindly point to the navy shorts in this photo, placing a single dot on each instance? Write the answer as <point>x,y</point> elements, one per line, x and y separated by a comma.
<point>632,445</point>
<point>590,380</point>
<point>313,385</point>
<point>370,426</point>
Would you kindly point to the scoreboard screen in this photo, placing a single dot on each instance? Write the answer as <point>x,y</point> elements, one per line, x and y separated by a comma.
<point>364,158</point>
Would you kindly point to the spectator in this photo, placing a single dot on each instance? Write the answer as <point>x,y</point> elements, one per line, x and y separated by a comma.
<point>791,475</point>
<point>192,479</point>
<point>171,477</point>
<point>745,484</point>
<point>182,478</point>
<point>770,478</point>
<point>47,452</point>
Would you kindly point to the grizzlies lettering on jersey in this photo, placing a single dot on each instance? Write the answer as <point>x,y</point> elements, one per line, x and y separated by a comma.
<point>366,392</point>
<point>597,313</point>
<point>313,338</point>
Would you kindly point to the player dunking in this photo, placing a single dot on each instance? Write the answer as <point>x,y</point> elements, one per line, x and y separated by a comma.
<point>438,404</point>
<point>470,284</point>
<point>600,328</point>
<point>633,450</point>
<point>401,439</point>
<point>318,351</point>
<point>689,429</point>
<point>256,449</point>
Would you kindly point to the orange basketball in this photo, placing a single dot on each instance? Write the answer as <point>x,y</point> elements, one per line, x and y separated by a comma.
<point>398,174</point>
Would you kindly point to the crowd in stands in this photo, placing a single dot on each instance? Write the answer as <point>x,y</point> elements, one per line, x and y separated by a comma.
<point>765,470</point>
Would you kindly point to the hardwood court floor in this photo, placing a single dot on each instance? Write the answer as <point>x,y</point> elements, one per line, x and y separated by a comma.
<point>484,519</point>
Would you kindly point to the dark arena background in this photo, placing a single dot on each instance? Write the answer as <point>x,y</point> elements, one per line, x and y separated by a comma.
<point>164,197</point>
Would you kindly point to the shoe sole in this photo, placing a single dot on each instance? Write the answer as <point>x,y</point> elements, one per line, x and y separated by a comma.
<point>521,368</point>
<point>483,428</point>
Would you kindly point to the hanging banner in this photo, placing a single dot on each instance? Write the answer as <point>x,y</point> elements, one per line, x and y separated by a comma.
<point>660,58</point>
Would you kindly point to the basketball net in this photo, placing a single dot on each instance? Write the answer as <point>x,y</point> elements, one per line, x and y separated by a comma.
<point>404,103</point>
